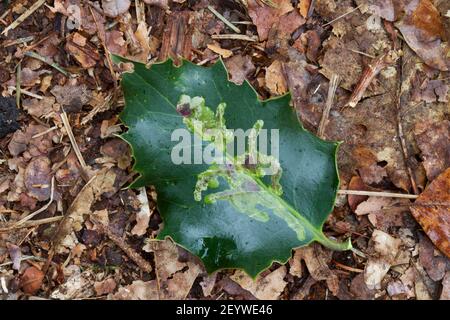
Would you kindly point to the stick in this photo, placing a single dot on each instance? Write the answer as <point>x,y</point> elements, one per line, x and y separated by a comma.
<point>378,194</point>
<point>23,16</point>
<point>224,20</point>
<point>143,264</point>
<point>331,92</point>
<point>369,73</point>
<point>341,16</point>
<point>75,147</point>
<point>232,36</point>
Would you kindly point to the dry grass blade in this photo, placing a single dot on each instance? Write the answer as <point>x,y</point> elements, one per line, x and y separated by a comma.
<point>377,194</point>
<point>331,92</point>
<point>224,20</point>
<point>75,147</point>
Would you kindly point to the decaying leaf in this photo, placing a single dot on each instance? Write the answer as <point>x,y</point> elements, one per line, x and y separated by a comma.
<point>385,248</point>
<point>31,280</point>
<point>268,287</point>
<point>432,211</point>
<point>424,32</point>
<point>239,67</point>
<point>175,278</point>
<point>264,16</point>
<point>102,182</point>
<point>433,140</point>
<point>275,79</point>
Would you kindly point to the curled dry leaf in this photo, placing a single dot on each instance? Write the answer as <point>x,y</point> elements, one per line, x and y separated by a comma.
<point>114,8</point>
<point>423,30</point>
<point>268,287</point>
<point>432,211</point>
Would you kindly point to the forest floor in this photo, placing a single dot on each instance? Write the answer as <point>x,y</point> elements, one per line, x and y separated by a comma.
<point>59,104</point>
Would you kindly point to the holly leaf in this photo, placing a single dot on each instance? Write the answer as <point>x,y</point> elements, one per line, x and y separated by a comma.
<point>240,220</point>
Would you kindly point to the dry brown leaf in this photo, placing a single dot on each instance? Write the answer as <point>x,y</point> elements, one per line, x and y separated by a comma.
<point>116,43</point>
<point>303,7</point>
<point>275,79</point>
<point>31,280</point>
<point>102,182</point>
<point>105,287</point>
<point>143,216</point>
<point>432,211</point>
<point>37,178</point>
<point>39,108</point>
<point>239,67</point>
<point>138,290</point>
<point>268,287</point>
<point>175,278</point>
<point>385,248</point>
<point>225,53</point>
<point>434,265</point>
<point>264,16</point>
<point>433,140</point>
<point>423,30</point>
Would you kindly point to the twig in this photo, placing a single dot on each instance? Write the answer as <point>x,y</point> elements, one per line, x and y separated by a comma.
<point>18,80</point>
<point>44,132</point>
<point>233,36</point>
<point>23,16</point>
<point>369,73</point>
<point>341,16</point>
<point>378,194</point>
<point>22,259</point>
<point>130,252</point>
<point>224,20</point>
<point>18,41</point>
<point>400,129</point>
<point>26,92</point>
<point>362,53</point>
<point>347,268</point>
<point>75,147</point>
<point>331,92</point>
<point>52,64</point>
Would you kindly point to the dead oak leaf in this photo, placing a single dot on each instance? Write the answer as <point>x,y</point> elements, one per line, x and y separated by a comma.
<point>432,211</point>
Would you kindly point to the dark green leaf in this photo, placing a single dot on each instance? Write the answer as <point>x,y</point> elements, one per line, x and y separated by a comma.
<point>223,234</point>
